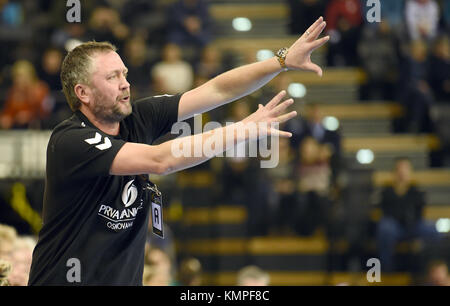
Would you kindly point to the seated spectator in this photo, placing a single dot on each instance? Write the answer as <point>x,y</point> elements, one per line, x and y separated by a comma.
<point>51,67</point>
<point>416,94</point>
<point>210,63</point>
<point>446,15</point>
<point>439,76</point>
<point>378,57</point>
<point>304,13</point>
<point>402,206</point>
<point>189,23</point>
<point>105,25</point>
<point>26,102</point>
<point>252,276</point>
<point>157,268</point>
<point>284,188</point>
<point>139,67</point>
<point>172,75</point>
<point>21,261</point>
<point>422,18</point>
<point>312,125</point>
<point>190,272</point>
<point>344,18</point>
<point>437,274</point>
<point>314,180</point>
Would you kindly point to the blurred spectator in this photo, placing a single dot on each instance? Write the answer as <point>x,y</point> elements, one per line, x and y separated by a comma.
<point>51,67</point>
<point>8,236</point>
<point>252,276</point>
<point>439,75</point>
<point>157,269</point>
<point>105,25</point>
<point>11,13</point>
<point>312,125</point>
<point>416,95</point>
<point>314,179</point>
<point>402,206</point>
<point>344,18</point>
<point>304,13</point>
<point>437,274</point>
<point>189,23</point>
<point>27,100</point>
<point>210,63</point>
<point>172,75</point>
<point>378,58</point>
<point>139,67</point>
<point>21,261</point>
<point>190,272</point>
<point>446,14</point>
<point>392,12</point>
<point>5,269</point>
<point>242,181</point>
<point>422,18</point>
<point>283,180</point>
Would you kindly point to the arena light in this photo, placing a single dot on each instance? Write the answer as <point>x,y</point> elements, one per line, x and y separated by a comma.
<point>264,54</point>
<point>330,123</point>
<point>242,24</point>
<point>443,225</point>
<point>365,156</point>
<point>296,90</point>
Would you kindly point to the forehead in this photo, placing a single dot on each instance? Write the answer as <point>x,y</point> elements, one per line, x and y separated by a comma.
<point>106,62</point>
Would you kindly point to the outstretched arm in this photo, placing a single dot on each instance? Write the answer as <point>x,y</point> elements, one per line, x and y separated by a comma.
<point>136,158</point>
<point>246,79</point>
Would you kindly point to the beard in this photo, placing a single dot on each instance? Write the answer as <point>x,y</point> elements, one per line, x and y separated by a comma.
<point>110,114</point>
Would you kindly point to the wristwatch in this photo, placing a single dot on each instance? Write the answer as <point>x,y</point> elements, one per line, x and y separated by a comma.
<point>281,56</point>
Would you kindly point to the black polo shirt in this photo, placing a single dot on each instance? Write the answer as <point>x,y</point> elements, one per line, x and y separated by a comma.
<point>90,216</point>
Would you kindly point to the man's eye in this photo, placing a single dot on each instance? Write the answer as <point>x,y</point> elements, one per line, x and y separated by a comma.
<point>111,77</point>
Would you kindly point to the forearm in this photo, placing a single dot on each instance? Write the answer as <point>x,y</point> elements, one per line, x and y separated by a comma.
<point>186,152</point>
<point>228,87</point>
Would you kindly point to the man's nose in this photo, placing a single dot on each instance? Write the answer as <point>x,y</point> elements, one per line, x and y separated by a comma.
<point>124,83</point>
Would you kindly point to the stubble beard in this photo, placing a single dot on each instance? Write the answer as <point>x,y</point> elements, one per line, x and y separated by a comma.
<point>110,114</point>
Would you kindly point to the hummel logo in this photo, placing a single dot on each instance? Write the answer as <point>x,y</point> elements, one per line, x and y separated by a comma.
<point>98,138</point>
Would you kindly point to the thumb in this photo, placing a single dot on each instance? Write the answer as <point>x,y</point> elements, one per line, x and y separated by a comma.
<point>314,68</point>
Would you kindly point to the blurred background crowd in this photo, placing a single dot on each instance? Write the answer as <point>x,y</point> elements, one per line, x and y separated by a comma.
<point>315,195</point>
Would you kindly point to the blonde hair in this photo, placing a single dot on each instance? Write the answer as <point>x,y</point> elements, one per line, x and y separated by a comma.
<point>76,68</point>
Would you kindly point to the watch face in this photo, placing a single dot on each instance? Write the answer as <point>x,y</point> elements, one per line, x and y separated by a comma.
<point>281,52</point>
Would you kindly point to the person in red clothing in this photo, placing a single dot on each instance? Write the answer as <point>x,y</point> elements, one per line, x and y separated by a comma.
<point>344,18</point>
<point>26,101</point>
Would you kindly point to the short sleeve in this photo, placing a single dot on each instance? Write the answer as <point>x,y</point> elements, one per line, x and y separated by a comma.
<point>158,113</point>
<point>81,153</point>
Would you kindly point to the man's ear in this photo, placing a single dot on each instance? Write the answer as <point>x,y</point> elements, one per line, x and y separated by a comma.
<point>83,93</point>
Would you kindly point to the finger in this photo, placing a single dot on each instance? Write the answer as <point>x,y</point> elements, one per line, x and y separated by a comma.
<point>276,99</point>
<point>314,68</point>
<point>314,25</point>
<point>286,117</point>
<point>316,32</point>
<point>279,133</point>
<point>281,107</point>
<point>319,43</point>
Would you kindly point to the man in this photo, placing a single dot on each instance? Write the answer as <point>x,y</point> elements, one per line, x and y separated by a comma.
<point>402,206</point>
<point>95,205</point>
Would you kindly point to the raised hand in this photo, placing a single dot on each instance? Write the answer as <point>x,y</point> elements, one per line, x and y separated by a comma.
<point>299,55</point>
<point>273,112</point>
